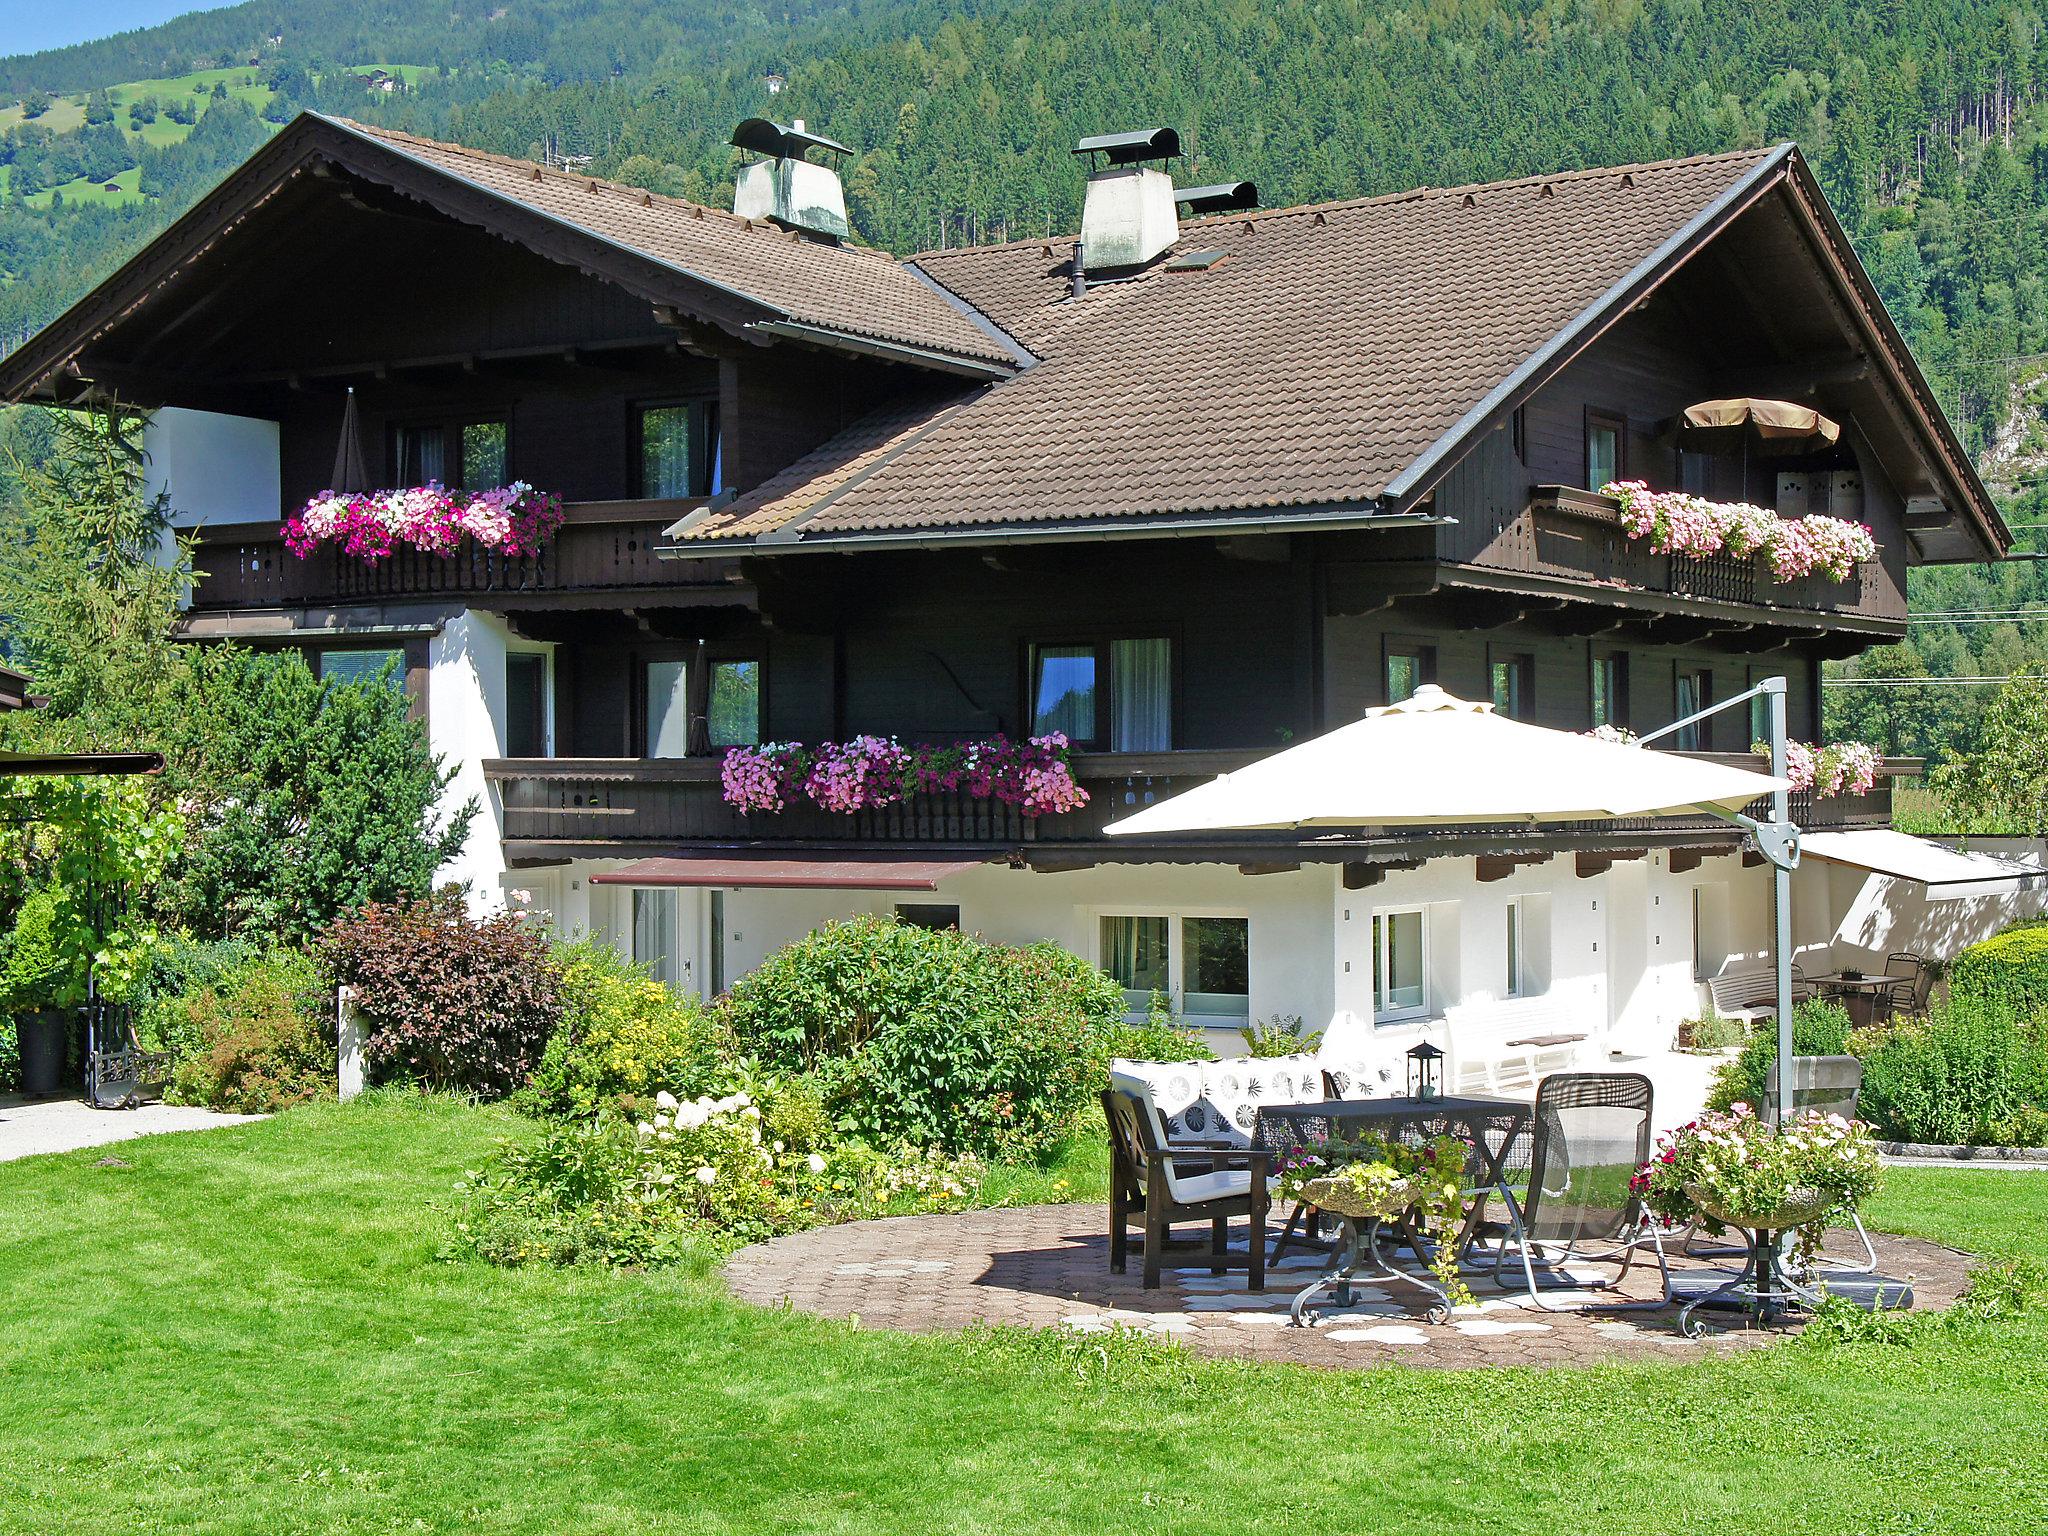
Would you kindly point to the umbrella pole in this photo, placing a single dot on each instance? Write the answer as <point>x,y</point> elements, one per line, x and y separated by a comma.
<point>1781,898</point>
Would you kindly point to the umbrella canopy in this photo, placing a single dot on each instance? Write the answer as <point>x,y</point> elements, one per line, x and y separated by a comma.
<point>351,473</point>
<point>1438,760</point>
<point>1776,424</point>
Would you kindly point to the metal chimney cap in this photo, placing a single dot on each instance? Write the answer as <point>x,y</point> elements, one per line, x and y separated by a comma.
<point>1130,148</point>
<point>781,140</point>
<point>1222,197</point>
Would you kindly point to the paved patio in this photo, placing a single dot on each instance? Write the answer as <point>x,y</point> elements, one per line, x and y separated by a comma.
<point>1048,1266</point>
<point>29,1127</point>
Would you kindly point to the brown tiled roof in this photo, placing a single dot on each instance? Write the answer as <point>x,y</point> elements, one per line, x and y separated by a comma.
<point>846,288</point>
<point>1326,351</point>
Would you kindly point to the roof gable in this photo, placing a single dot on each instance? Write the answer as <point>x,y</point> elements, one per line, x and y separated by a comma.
<point>709,264</point>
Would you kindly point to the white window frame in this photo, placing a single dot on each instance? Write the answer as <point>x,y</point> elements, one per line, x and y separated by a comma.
<point>1176,954</point>
<point>1516,980</point>
<point>1376,943</point>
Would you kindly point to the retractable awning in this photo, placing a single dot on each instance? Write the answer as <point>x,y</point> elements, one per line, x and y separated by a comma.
<point>790,872</point>
<point>27,765</point>
<point>1947,874</point>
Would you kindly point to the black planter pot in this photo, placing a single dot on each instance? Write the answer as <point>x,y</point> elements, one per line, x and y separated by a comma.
<point>40,1039</point>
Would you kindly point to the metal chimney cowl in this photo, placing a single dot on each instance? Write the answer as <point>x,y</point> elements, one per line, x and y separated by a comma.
<point>789,189</point>
<point>1129,217</point>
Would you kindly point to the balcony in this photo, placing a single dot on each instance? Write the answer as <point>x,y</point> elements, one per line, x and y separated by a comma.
<point>1577,535</point>
<point>601,546</point>
<point>621,807</point>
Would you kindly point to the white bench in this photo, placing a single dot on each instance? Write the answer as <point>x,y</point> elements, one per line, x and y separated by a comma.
<point>1507,1048</point>
<point>1747,992</point>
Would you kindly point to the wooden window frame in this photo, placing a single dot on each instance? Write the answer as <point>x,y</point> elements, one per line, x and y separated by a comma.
<point>1597,416</point>
<point>450,428</point>
<point>636,437</point>
<point>1704,738</point>
<point>1421,647</point>
<point>698,657</point>
<point>1100,641</point>
<point>1498,655</point>
<point>1623,718</point>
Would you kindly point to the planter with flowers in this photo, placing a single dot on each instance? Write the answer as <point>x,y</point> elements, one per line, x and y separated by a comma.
<point>1676,523</point>
<point>1840,767</point>
<point>511,520</point>
<point>870,773</point>
<point>1369,1183</point>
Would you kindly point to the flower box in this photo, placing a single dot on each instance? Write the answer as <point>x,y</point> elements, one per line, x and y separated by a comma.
<point>511,519</point>
<point>870,773</point>
<point>1676,523</point>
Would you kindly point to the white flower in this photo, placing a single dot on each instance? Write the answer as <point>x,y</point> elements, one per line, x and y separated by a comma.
<point>665,1100</point>
<point>815,1163</point>
<point>740,1101</point>
<point>707,1175</point>
<point>751,1113</point>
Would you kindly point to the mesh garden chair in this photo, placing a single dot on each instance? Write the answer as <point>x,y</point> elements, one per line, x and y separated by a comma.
<point>1909,992</point>
<point>1828,1085</point>
<point>1591,1133</point>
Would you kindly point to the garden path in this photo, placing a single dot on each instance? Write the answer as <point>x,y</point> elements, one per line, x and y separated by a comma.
<point>29,1127</point>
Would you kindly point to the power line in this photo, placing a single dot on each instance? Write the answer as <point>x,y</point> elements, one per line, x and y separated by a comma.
<point>1929,682</point>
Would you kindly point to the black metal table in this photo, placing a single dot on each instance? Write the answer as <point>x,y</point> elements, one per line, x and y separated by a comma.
<point>1490,1126</point>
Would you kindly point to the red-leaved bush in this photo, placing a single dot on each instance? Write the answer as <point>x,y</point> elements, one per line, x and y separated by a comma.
<point>450,1001</point>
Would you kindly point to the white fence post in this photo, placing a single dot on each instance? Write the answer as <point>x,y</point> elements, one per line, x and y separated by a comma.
<point>348,1029</point>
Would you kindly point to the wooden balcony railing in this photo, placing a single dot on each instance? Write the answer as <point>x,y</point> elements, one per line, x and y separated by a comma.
<point>1577,534</point>
<point>613,806</point>
<point>601,545</point>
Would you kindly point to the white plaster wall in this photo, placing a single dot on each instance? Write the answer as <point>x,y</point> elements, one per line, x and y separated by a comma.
<point>1861,917</point>
<point>465,703</point>
<point>217,468</point>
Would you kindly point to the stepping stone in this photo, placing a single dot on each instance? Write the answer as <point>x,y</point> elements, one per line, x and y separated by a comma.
<point>1384,1333</point>
<point>1486,1327</point>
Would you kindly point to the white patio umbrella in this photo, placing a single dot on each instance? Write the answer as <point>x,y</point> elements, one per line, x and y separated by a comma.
<point>1438,760</point>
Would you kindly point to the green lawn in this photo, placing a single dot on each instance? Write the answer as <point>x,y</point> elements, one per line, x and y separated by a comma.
<point>245,1330</point>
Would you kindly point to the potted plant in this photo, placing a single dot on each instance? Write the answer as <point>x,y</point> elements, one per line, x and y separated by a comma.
<point>1731,1169</point>
<point>39,987</point>
<point>1373,1180</point>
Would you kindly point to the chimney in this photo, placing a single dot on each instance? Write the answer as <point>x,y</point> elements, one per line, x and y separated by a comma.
<point>787,187</point>
<point>1129,216</point>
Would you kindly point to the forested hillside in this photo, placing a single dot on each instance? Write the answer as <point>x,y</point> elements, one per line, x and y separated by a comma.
<point>1924,118</point>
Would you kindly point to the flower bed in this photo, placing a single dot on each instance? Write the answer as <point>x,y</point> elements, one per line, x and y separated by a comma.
<point>1840,767</point>
<point>870,772</point>
<point>1730,1168</point>
<point>513,519</point>
<point>1679,524</point>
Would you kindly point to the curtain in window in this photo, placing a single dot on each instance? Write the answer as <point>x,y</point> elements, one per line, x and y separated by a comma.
<point>1134,952</point>
<point>665,451</point>
<point>1063,692</point>
<point>422,455</point>
<point>668,708</point>
<point>654,930</point>
<point>1691,699</point>
<point>1141,704</point>
<point>364,667</point>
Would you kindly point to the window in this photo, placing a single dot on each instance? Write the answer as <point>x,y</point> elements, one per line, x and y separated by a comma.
<point>1694,477</point>
<point>1759,711</point>
<point>1610,691</point>
<point>654,934</point>
<point>363,667</point>
<point>1514,954</point>
<point>1134,952</point>
<point>734,713</point>
<point>1205,962</point>
<point>1695,689</point>
<point>1512,692</point>
<point>714,940</point>
<point>1409,666</point>
<point>682,452</point>
<point>1518,433</point>
<point>941,917</point>
<point>526,720</point>
<point>668,709</point>
<point>1605,435</point>
<point>1118,694</point>
<point>461,455</point>
<point>1400,988</point>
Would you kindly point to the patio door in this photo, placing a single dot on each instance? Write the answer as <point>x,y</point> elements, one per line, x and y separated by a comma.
<point>1625,892</point>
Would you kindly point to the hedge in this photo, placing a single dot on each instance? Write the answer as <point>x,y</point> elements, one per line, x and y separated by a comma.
<point>2009,971</point>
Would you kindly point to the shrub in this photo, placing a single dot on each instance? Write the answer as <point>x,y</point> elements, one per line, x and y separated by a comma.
<point>1159,1037</point>
<point>33,970</point>
<point>2010,970</point>
<point>623,1038</point>
<point>259,1043</point>
<point>1710,1032</point>
<point>451,1001</point>
<point>1819,1028</point>
<point>933,1037</point>
<point>1969,1074</point>
<point>172,969</point>
<point>1279,1036</point>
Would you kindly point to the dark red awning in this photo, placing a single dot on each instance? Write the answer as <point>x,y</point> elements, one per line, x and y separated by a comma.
<point>790,874</point>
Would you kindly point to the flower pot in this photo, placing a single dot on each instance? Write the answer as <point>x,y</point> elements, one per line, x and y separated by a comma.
<point>40,1037</point>
<point>1799,1207</point>
<point>1340,1199</point>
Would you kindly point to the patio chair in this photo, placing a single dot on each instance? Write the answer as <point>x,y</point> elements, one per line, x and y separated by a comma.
<point>1159,1186</point>
<point>1591,1132</point>
<point>1828,1085</point>
<point>1909,993</point>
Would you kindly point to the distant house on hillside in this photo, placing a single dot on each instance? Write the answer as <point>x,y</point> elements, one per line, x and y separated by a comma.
<point>1198,482</point>
<point>774,83</point>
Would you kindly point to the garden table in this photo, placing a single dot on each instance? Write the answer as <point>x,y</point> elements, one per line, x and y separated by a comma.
<point>1490,1126</point>
<point>1858,993</point>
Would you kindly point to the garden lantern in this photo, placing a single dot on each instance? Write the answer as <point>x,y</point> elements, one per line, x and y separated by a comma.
<point>1425,1071</point>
